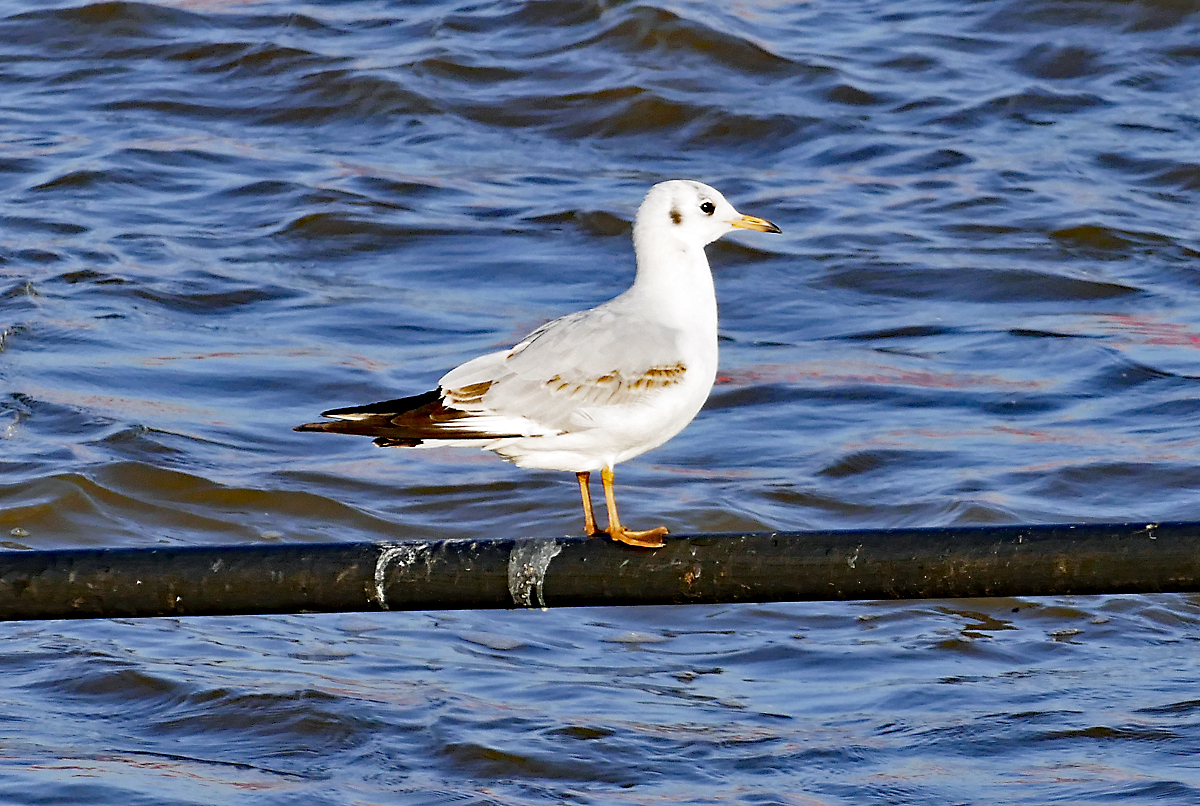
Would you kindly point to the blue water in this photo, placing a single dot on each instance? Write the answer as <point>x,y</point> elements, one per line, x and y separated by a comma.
<point>220,218</point>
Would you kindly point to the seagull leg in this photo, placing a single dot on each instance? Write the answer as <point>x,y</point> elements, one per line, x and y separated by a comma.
<point>649,539</point>
<point>589,514</point>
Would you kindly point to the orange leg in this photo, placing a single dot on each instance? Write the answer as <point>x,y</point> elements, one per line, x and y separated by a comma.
<point>589,514</point>
<point>649,539</point>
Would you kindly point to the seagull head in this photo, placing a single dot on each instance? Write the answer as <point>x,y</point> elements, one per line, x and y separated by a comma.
<point>693,212</point>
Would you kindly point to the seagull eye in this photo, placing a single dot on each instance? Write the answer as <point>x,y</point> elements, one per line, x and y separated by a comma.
<point>707,207</point>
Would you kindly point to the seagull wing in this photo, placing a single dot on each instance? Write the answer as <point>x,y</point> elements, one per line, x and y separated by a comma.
<point>555,379</point>
<point>553,382</point>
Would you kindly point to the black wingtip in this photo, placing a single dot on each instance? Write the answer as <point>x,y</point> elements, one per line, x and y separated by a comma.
<point>396,406</point>
<point>392,442</point>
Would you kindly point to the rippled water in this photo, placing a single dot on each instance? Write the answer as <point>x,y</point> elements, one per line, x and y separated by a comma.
<point>219,218</point>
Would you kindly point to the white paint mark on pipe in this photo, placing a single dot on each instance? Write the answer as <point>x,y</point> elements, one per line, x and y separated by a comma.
<point>527,565</point>
<point>404,555</point>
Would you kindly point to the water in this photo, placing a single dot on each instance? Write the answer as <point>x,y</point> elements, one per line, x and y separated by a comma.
<point>219,218</point>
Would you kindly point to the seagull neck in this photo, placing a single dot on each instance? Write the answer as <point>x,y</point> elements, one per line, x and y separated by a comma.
<point>677,278</point>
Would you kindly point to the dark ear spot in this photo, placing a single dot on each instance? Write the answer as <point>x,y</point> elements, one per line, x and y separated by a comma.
<point>676,216</point>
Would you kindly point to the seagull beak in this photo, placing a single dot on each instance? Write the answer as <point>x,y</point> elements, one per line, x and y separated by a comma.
<point>754,223</point>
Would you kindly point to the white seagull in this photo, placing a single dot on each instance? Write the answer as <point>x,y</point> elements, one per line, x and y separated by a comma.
<point>595,387</point>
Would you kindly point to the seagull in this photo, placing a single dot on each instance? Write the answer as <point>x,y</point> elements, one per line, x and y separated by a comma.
<point>589,390</point>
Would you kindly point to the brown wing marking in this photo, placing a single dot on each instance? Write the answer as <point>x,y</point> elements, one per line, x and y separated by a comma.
<point>614,385</point>
<point>468,395</point>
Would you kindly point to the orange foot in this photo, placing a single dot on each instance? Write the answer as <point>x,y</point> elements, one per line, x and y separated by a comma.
<point>649,539</point>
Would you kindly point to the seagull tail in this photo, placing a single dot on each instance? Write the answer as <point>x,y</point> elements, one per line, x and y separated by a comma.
<point>389,408</point>
<point>408,422</point>
<point>378,420</point>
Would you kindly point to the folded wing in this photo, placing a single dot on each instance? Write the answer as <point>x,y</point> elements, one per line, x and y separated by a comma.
<point>553,382</point>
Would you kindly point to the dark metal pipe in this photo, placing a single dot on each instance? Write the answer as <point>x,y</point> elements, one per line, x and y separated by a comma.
<point>566,572</point>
